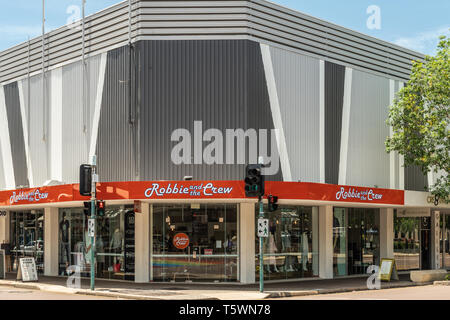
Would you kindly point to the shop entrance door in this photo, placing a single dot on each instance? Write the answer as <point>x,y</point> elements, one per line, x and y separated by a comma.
<point>425,243</point>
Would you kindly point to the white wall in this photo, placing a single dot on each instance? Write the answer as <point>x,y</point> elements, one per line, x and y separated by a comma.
<point>142,244</point>
<point>51,241</point>
<point>247,242</point>
<point>326,242</point>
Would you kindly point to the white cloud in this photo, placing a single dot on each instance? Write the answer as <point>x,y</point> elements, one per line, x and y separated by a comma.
<point>424,42</point>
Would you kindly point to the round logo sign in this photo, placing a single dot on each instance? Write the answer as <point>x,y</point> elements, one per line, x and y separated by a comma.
<point>181,241</point>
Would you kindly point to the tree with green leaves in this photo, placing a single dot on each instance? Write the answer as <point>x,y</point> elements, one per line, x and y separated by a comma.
<point>420,119</point>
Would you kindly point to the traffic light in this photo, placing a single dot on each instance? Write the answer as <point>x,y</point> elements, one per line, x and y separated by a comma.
<point>273,203</point>
<point>87,208</point>
<point>254,181</point>
<point>101,208</point>
<point>85,180</point>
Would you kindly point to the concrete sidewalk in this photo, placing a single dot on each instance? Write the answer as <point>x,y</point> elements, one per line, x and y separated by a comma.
<point>204,291</point>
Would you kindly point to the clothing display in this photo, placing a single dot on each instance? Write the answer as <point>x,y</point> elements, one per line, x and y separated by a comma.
<point>116,240</point>
<point>305,251</point>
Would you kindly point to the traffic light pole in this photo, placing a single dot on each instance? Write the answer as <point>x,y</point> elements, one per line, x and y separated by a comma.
<point>93,200</point>
<point>261,253</point>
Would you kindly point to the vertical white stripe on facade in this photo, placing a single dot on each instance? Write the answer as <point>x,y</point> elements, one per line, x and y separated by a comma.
<point>322,120</point>
<point>23,107</point>
<point>276,113</point>
<point>345,126</point>
<point>392,166</point>
<point>401,161</point>
<point>98,105</point>
<point>56,125</point>
<point>5,144</point>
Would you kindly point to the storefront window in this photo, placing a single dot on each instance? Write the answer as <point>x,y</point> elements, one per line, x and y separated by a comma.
<point>356,240</point>
<point>114,242</point>
<point>291,250</point>
<point>407,242</point>
<point>27,237</point>
<point>193,242</point>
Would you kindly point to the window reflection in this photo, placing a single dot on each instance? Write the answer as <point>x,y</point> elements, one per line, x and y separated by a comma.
<point>27,237</point>
<point>195,242</point>
<point>291,249</point>
<point>406,242</point>
<point>114,242</point>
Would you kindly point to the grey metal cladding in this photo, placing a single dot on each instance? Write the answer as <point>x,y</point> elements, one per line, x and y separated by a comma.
<point>334,99</point>
<point>256,20</point>
<point>219,82</point>
<point>414,179</point>
<point>116,144</point>
<point>297,80</point>
<point>16,134</point>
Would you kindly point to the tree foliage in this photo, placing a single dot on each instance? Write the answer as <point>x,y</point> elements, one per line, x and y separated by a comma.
<point>420,119</point>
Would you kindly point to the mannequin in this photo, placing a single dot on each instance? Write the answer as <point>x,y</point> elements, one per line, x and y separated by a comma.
<point>305,250</point>
<point>286,244</point>
<point>116,241</point>
<point>115,246</point>
<point>64,228</point>
<point>271,248</point>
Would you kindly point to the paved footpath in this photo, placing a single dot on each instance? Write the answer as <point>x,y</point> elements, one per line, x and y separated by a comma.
<point>11,293</point>
<point>198,291</point>
<point>410,293</point>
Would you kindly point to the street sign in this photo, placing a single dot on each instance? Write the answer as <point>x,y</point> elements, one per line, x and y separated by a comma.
<point>263,228</point>
<point>91,227</point>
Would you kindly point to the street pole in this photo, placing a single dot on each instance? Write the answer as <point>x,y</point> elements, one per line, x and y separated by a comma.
<point>261,254</point>
<point>93,199</point>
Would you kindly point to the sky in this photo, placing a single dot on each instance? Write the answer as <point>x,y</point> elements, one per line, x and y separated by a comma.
<point>414,24</point>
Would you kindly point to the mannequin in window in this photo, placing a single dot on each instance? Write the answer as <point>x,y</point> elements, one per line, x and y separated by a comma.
<point>286,247</point>
<point>271,248</point>
<point>116,246</point>
<point>305,251</point>
<point>64,230</point>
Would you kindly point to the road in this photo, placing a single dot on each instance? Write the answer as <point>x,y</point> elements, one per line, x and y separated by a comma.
<point>408,293</point>
<point>11,293</point>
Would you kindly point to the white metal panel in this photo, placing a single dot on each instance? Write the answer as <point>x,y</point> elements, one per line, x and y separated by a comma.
<point>276,113</point>
<point>298,85</point>
<point>368,164</point>
<point>7,172</point>
<point>39,120</point>
<point>76,139</point>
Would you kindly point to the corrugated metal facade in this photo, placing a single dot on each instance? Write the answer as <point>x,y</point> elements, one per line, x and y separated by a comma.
<point>415,179</point>
<point>116,147</point>
<point>16,134</point>
<point>201,61</point>
<point>297,81</point>
<point>38,124</point>
<point>255,20</point>
<point>2,171</point>
<point>368,162</point>
<point>77,123</point>
<point>334,98</point>
<point>220,83</point>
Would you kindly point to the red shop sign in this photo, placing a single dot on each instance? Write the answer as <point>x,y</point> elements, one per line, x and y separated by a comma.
<point>181,241</point>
